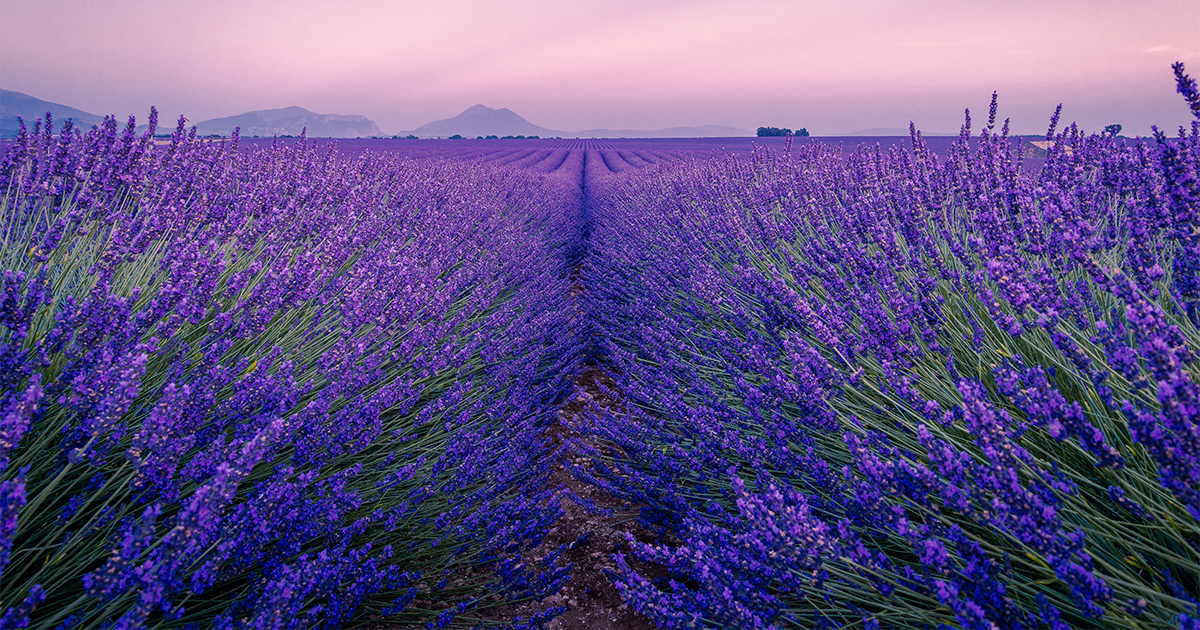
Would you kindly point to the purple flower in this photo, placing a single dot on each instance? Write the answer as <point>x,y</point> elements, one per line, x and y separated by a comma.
<point>18,412</point>
<point>19,616</point>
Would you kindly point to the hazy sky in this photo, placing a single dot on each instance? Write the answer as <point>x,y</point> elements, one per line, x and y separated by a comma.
<point>833,67</point>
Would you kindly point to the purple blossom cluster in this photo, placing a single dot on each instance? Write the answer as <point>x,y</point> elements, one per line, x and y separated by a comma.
<point>276,387</point>
<point>907,390</point>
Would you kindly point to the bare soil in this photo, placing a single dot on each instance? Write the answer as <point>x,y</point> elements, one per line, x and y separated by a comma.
<point>594,535</point>
<point>592,601</point>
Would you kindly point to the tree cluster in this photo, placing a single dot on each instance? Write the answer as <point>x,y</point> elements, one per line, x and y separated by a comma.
<point>780,131</point>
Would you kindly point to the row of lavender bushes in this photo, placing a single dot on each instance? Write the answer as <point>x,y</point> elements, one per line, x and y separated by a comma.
<point>898,390</point>
<point>273,388</point>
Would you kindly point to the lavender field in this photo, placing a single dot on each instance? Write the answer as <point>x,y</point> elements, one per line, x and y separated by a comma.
<point>297,383</point>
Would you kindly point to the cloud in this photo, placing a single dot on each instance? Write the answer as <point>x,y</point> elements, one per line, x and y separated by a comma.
<point>1158,49</point>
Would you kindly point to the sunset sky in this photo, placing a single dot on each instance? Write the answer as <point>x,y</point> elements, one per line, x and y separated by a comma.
<point>833,67</point>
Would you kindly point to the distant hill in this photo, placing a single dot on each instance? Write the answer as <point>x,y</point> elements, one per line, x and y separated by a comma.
<point>481,120</point>
<point>18,104</point>
<point>289,121</point>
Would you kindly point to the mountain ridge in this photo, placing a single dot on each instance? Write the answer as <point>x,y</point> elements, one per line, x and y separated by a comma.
<point>481,120</point>
<point>15,105</point>
<point>291,121</point>
<point>477,120</point>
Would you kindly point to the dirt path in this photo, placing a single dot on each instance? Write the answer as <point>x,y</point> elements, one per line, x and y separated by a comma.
<point>591,600</point>
<point>597,531</point>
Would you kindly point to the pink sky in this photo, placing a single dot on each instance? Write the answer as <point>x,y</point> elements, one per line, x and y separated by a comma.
<point>833,67</point>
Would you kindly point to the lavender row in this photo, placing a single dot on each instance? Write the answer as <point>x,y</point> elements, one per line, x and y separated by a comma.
<point>273,388</point>
<point>902,390</point>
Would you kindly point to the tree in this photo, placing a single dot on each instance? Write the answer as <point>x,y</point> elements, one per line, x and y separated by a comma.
<point>803,132</point>
<point>456,137</point>
<point>1112,130</point>
<point>773,131</point>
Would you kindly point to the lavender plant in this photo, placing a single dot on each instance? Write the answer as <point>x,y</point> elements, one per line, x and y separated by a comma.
<point>274,388</point>
<point>906,390</point>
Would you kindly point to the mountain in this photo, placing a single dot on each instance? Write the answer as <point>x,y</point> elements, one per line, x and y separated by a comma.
<point>703,131</point>
<point>289,121</point>
<point>481,120</point>
<point>14,104</point>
